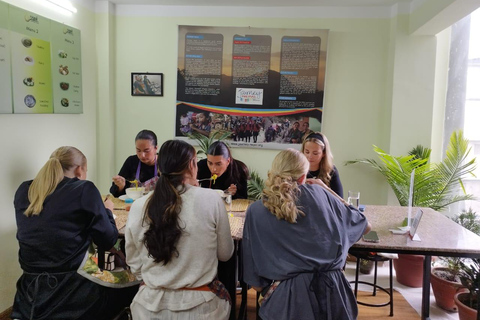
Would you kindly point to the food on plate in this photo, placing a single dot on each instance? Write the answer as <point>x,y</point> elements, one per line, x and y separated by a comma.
<point>64,102</point>
<point>30,101</point>
<point>28,60</point>
<point>28,82</point>
<point>64,85</point>
<point>62,54</point>
<point>27,43</point>
<point>63,70</point>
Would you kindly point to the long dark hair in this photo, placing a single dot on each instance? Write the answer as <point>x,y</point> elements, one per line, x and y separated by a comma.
<point>237,170</point>
<point>165,204</point>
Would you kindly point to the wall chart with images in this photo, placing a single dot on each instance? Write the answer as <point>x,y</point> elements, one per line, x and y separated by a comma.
<point>263,86</point>
<point>40,64</point>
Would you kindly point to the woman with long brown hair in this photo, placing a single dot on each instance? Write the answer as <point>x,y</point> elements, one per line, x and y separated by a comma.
<point>174,239</point>
<point>317,150</point>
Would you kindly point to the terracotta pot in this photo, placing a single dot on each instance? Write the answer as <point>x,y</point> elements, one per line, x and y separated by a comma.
<point>366,266</point>
<point>409,270</point>
<point>464,312</point>
<point>444,290</point>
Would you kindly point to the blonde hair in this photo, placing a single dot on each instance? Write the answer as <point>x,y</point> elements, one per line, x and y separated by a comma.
<point>326,163</point>
<point>281,188</point>
<point>50,175</point>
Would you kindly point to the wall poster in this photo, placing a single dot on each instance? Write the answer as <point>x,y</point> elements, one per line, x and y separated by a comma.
<point>261,85</point>
<point>40,60</point>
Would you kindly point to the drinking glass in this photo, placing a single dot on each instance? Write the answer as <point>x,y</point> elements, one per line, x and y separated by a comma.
<point>353,198</point>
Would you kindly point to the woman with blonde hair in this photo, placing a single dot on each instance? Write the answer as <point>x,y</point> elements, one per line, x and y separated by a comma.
<point>295,243</point>
<point>58,214</point>
<point>174,239</point>
<point>317,150</point>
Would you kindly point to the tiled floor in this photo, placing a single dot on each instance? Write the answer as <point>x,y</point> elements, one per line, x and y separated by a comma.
<point>412,295</point>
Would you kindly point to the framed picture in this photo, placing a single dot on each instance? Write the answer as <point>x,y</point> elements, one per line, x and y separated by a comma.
<point>147,84</point>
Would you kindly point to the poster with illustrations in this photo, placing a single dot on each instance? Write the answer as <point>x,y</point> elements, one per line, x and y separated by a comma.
<point>263,86</point>
<point>44,57</point>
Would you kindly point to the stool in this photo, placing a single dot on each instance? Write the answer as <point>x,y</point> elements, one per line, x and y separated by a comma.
<point>125,314</point>
<point>375,258</point>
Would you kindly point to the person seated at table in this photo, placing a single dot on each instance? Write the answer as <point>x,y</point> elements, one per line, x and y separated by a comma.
<point>58,214</point>
<point>174,239</point>
<point>295,243</point>
<point>141,167</point>
<point>231,174</point>
<point>317,150</point>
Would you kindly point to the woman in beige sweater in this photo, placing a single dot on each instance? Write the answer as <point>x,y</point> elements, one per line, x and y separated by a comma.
<point>174,239</point>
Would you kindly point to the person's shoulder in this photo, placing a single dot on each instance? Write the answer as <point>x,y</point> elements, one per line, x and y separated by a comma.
<point>132,159</point>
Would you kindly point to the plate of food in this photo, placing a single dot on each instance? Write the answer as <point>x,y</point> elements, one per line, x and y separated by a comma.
<point>28,82</point>
<point>30,101</point>
<point>28,60</point>
<point>62,54</point>
<point>64,85</point>
<point>64,102</point>
<point>63,70</point>
<point>27,43</point>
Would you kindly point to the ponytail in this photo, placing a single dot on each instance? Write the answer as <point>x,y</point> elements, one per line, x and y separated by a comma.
<point>50,175</point>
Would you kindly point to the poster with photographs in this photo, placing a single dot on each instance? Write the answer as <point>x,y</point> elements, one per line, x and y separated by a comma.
<point>263,86</point>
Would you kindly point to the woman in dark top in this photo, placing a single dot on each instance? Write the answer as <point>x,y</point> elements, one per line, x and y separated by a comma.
<point>58,215</point>
<point>317,150</point>
<point>232,175</point>
<point>141,167</point>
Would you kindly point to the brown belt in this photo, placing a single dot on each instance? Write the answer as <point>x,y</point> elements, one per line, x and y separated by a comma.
<point>202,288</point>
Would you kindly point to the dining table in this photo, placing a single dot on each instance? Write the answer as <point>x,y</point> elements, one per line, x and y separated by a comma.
<point>236,216</point>
<point>437,234</point>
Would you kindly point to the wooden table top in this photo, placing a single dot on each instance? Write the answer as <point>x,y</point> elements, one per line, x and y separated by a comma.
<point>439,235</point>
<point>236,218</point>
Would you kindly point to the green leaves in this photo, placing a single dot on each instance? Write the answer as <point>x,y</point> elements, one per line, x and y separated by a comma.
<point>204,142</point>
<point>436,185</point>
<point>255,186</point>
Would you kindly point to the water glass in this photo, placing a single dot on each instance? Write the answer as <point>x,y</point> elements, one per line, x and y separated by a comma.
<point>353,198</point>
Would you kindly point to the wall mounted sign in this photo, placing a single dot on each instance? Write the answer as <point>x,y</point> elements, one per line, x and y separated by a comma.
<point>44,57</point>
<point>261,85</point>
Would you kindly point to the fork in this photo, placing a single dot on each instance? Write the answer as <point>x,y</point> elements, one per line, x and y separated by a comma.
<point>204,179</point>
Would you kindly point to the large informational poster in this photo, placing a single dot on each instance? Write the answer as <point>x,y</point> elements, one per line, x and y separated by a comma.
<point>42,63</point>
<point>261,85</point>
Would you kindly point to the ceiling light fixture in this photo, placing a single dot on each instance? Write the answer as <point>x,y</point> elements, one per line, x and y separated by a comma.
<point>64,4</point>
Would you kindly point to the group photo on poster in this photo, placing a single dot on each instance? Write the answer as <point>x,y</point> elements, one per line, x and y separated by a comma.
<point>263,86</point>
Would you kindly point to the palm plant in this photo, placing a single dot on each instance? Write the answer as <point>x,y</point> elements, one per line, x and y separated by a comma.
<point>435,184</point>
<point>255,186</point>
<point>204,142</point>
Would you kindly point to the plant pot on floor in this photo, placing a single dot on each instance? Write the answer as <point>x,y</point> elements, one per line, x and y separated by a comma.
<point>409,270</point>
<point>444,290</point>
<point>366,266</point>
<point>464,311</point>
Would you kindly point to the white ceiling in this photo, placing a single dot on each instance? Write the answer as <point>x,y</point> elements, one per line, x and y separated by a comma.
<point>267,3</point>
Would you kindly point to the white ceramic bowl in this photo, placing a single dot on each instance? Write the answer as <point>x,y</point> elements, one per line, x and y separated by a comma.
<point>135,193</point>
<point>221,193</point>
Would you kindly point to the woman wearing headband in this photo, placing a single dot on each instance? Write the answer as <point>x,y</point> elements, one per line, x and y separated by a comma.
<point>175,237</point>
<point>317,150</point>
<point>295,243</point>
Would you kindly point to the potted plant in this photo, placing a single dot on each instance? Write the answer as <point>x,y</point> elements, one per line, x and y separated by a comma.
<point>467,302</point>
<point>255,186</point>
<point>204,142</point>
<point>435,185</point>
<point>445,280</point>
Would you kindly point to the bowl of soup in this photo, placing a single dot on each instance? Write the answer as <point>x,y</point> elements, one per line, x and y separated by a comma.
<point>134,193</point>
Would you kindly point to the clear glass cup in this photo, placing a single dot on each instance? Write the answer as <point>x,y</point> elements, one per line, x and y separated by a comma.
<point>353,198</point>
